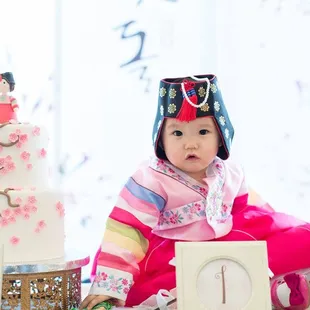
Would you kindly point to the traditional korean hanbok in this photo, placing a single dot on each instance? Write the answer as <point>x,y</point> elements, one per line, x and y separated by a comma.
<point>161,205</point>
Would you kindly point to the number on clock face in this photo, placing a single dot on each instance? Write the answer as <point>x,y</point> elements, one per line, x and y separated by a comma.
<point>224,284</point>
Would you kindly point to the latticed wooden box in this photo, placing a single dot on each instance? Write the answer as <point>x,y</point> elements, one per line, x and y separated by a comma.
<point>54,284</point>
<point>48,290</point>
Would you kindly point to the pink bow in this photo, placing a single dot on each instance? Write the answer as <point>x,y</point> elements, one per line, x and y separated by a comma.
<point>293,282</point>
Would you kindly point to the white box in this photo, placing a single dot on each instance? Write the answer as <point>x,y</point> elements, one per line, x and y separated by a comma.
<point>222,276</point>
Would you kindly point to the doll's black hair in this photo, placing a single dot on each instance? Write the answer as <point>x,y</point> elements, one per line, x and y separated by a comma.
<point>8,76</point>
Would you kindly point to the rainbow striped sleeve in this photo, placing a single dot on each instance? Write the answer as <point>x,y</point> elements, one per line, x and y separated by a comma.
<point>125,241</point>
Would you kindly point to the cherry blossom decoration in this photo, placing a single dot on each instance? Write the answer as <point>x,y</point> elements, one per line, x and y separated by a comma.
<point>60,209</point>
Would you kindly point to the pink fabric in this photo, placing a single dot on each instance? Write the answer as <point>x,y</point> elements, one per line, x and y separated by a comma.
<point>7,113</point>
<point>142,206</point>
<point>122,253</point>
<point>299,292</point>
<point>223,183</point>
<point>118,263</point>
<point>293,282</point>
<point>94,266</point>
<point>288,239</point>
<point>279,230</point>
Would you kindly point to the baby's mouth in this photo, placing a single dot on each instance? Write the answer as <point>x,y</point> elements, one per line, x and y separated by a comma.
<point>191,157</point>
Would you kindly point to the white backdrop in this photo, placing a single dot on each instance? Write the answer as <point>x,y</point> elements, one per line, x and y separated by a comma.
<point>270,64</point>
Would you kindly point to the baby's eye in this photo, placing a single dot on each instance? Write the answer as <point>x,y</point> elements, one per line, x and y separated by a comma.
<point>203,132</point>
<point>177,133</point>
<point>3,82</point>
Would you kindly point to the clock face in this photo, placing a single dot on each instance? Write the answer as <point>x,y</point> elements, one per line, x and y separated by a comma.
<point>223,284</point>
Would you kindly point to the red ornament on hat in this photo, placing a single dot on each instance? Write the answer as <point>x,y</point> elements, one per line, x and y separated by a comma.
<point>188,112</point>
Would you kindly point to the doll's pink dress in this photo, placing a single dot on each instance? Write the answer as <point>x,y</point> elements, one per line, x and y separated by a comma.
<point>7,111</point>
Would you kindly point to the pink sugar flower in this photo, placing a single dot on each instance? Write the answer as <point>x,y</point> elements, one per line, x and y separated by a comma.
<point>25,156</point>
<point>26,216</point>
<point>14,240</point>
<point>6,213</point>
<point>59,206</point>
<point>17,211</point>
<point>26,208</point>
<point>12,219</point>
<point>60,209</point>
<point>18,200</point>
<point>42,153</point>
<point>11,166</point>
<point>13,137</point>
<point>23,138</point>
<point>3,222</point>
<point>7,165</point>
<point>32,199</point>
<point>41,224</point>
<point>36,131</point>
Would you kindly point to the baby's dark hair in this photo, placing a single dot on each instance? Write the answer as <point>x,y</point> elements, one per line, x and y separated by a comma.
<point>8,76</point>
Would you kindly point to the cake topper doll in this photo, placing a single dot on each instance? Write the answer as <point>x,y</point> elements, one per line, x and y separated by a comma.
<point>8,104</point>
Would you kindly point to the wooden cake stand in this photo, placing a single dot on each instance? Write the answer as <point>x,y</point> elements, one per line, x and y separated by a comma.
<point>54,284</point>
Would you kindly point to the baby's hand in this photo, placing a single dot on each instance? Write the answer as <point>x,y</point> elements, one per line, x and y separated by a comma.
<point>92,300</point>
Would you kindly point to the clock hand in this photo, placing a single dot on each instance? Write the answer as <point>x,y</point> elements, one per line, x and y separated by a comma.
<point>221,275</point>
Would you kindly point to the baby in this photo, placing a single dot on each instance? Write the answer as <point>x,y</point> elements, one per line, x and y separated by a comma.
<point>190,191</point>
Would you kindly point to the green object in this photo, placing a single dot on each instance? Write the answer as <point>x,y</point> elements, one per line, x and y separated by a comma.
<point>106,304</point>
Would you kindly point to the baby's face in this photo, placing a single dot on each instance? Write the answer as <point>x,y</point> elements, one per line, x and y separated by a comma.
<point>191,146</point>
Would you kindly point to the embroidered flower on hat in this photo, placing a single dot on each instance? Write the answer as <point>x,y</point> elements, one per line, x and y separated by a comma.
<point>162,92</point>
<point>222,120</point>
<point>172,93</point>
<point>201,91</point>
<point>161,109</point>
<point>172,108</point>
<point>213,88</point>
<point>159,124</point>
<point>205,108</point>
<point>216,106</point>
<point>226,133</point>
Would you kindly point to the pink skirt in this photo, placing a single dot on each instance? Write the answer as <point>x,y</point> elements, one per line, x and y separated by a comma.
<point>288,243</point>
<point>6,113</point>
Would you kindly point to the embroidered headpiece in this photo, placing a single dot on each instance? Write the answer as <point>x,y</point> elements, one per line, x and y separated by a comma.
<point>187,98</point>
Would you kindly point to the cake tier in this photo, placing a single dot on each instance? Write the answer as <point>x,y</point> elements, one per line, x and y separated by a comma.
<point>23,160</point>
<point>31,225</point>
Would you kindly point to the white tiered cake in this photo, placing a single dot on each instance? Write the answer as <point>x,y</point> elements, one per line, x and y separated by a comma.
<point>31,214</point>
